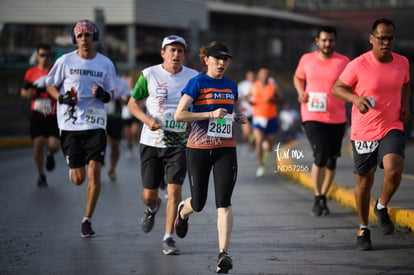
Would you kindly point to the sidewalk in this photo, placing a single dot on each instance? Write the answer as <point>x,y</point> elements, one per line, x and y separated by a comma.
<point>295,162</point>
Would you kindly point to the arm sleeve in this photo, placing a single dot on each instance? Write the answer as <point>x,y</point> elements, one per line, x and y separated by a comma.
<point>140,90</point>
<point>300,71</point>
<point>56,75</point>
<point>192,88</point>
<point>349,75</point>
<point>407,76</point>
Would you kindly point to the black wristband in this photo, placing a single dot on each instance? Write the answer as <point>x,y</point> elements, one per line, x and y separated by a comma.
<point>102,95</point>
<point>27,85</point>
<point>67,99</point>
<point>106,98</point>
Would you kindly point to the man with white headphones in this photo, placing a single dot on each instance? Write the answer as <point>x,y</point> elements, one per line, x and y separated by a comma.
<point>82,81</point>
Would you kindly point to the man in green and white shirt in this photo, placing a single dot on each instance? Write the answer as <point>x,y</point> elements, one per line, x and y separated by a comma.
<point>162,143</point>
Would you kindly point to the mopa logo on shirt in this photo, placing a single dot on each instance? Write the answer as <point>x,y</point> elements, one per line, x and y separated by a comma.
<point>223,96</point>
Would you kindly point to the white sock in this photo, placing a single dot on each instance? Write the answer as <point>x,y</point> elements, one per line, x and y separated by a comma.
<point>363,227</point>
<point>380,206</point>
<point>167,235</point>
<point>85,219</point>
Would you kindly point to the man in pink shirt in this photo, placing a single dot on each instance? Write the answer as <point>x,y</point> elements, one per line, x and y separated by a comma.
<point>323,115</point>
<point>377,84</point>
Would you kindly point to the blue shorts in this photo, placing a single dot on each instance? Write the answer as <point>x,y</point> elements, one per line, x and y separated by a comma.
<point>267,126</point>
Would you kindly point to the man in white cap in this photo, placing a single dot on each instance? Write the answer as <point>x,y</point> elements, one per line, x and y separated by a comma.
<point>82,81</point>
<point>162,143</point>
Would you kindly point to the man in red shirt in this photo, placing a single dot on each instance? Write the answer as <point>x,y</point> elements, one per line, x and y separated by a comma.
<point>377,84</point>
<point>43,123</point>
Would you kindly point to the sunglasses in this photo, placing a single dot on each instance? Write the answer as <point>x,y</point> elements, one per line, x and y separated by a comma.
<point>44,54</point>
<point>384,38</point>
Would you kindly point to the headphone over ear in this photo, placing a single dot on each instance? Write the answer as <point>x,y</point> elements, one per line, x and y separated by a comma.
<point>95,34</point>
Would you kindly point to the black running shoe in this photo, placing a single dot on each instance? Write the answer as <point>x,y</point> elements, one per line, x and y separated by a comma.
<point>316,209</point>
<point>86,230</point>
<point>324,206</point>
<point>384,220</point>
<point>50,162</point>
<point>147,221</point>
<point>169,247</point>
<point>41,181</point>
<point>180,225</point>
<point>224,263</point>
<point>364,239</point>
<point>112,175</point>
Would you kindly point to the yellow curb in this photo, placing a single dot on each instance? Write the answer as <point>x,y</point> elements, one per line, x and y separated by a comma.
<point>14,142</point>
<point>344,195</point>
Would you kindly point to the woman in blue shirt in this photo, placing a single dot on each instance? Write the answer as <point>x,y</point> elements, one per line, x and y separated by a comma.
<point>208,102</point>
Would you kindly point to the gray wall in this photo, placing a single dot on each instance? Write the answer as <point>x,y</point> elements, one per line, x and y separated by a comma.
<point>147,12</point>
<point>64,11</point>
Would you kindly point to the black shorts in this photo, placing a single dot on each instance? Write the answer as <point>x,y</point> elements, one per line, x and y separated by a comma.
<point>114,127</point>
<point>223,161</point>
<point>41,125</point>
<point>130,121</point>
<point>325,138</point>
<point>364,162</point>
<point>159,162</point>
<point>79,147</point>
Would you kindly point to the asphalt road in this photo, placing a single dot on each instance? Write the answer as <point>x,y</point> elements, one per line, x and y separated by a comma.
<point>273,231</point>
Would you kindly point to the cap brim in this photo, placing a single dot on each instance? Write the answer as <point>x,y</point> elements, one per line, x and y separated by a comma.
<point>177,42</point>
<point>222,55</point>
<point>170,43</point>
